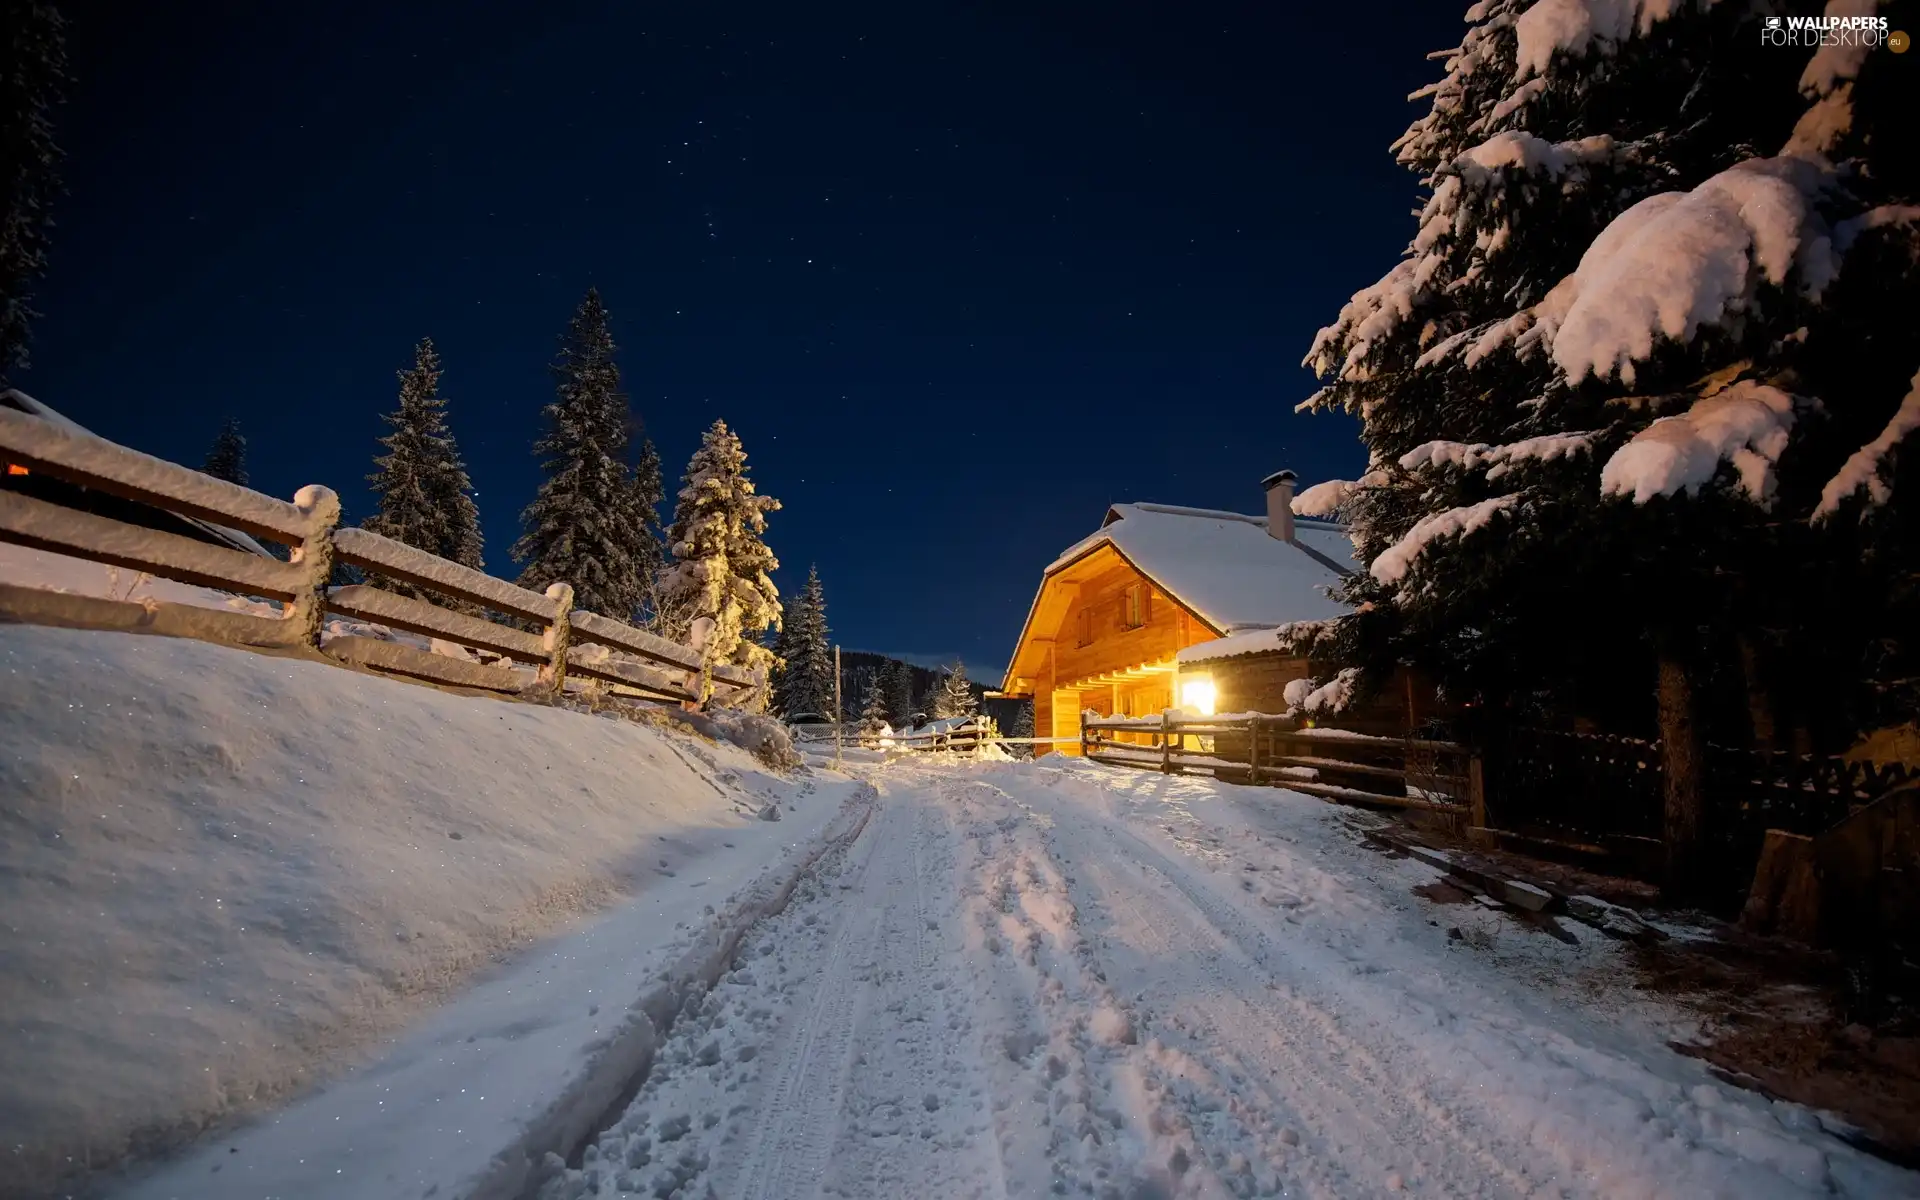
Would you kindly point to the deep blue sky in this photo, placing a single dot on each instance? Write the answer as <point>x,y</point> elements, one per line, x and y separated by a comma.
<point>960,274</point>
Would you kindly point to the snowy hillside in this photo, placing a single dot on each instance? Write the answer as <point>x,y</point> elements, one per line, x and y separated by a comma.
<point>226,875</point>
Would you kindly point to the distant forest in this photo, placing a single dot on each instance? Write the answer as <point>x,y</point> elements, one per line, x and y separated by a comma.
<point>859,667</point>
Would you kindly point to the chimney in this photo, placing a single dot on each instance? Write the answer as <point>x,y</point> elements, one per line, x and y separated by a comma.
<point>1279,486</point>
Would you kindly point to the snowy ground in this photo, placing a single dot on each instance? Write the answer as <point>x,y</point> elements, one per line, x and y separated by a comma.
<point>1067,979</point>
<point>226,875</point>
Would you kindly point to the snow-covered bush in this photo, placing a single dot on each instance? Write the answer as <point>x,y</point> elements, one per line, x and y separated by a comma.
<point>758,734</point>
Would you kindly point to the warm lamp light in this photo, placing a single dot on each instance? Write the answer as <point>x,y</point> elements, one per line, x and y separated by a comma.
<point>1198,695</point>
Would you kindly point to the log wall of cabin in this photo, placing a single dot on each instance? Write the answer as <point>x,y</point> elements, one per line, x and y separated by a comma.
<point>1093,637</point>
<point>1253,682</point>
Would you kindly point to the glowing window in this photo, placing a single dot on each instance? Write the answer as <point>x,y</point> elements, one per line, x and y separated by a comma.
<point>1198,695</point>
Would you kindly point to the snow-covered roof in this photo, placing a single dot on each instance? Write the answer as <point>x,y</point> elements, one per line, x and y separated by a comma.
<point>1225,566</point>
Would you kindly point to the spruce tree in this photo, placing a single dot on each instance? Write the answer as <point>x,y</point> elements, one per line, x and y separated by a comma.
<point>955,698</point>
<point>1023,728</point>
<point>873,712</point>
<point>227,457</point>
<point>649,554</point>
<point>897,680</point>
<point>722,567</point>
<point>589,524</point>
<point>33,69</point>
<point>1640,327</point>
<point>804,681</point>
<point>423,495</point>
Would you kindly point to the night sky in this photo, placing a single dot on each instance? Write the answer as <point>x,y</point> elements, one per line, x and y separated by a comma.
<point>960,275</point>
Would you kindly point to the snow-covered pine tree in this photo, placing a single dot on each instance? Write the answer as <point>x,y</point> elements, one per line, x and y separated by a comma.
<point>955,697</point>
<point>649,553</point>
<point>1022,728</point>
<point>897,679</point>
<point>1640,327</point>
<point>421,487</point>
<point>722,567</point>
<point>873,712</point>
<point>33,68</point>
<point>588,524</point>
<point>804,683</point>
<point>227,457</point>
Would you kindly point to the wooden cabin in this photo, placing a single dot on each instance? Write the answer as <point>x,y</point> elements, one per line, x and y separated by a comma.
<point>1114,613</point>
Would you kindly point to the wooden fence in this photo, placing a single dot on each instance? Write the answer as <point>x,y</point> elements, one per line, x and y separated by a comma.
<point>1260,748</point>
<point>538,629</point>
<point>1602,795</point>
<point>967,739</point>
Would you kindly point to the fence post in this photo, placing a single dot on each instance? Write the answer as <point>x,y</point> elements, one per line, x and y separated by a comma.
<point>1476,800</point>
<point>558,637</point>
<point>1166,742</point>
<point>1253,750</point>
<point>314,554</point>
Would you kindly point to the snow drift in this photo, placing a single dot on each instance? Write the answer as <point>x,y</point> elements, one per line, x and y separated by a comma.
<point>225,873</point>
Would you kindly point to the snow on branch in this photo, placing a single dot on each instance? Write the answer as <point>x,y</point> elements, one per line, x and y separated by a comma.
<point>1838,62</point>
<point>1312,696</point>
<point>1460,188</point>
<point>1862,468</point>
<point>1323,499</point>
<point>1371,315</point>
<point>1497,458</point>
<point>1828,82</point>
<point>1678,261</point>
<point>1747,425</point>
<point>1396,560</point>
<point>1518,148</point>
<point>1577,27</point>
<point>1847,232</point>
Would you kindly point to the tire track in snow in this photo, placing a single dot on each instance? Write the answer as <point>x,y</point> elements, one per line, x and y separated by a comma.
<point>918,1121</point>
<point>1259,1007</point>
<point>799,1113</point>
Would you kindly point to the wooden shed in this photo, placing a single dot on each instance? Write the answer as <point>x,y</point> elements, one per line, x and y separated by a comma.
<point>1114,613</point>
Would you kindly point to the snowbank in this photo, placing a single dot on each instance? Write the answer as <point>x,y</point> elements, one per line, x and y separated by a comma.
<point>224,874</point>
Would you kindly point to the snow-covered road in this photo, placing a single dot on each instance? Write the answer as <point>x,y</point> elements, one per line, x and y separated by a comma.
<point>1058,978</point>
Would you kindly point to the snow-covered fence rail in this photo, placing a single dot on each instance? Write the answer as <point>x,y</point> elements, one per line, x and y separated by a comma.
<point>968,736</point>
<point>1263,748</point>
<point>568,641</point>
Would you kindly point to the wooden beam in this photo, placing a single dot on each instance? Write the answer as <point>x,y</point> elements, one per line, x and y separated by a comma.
<point>105,466</point>
<point>42,526</point>
<point>418,616</point>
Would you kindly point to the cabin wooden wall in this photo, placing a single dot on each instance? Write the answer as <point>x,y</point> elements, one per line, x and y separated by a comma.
<point>1253,682</point>
<point>1093,637</point>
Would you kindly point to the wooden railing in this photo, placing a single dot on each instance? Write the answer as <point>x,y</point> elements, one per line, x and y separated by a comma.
<point>1603,795</point>
<point>538,629</point>
<point>966,739</point>
<point>1261,748</point>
